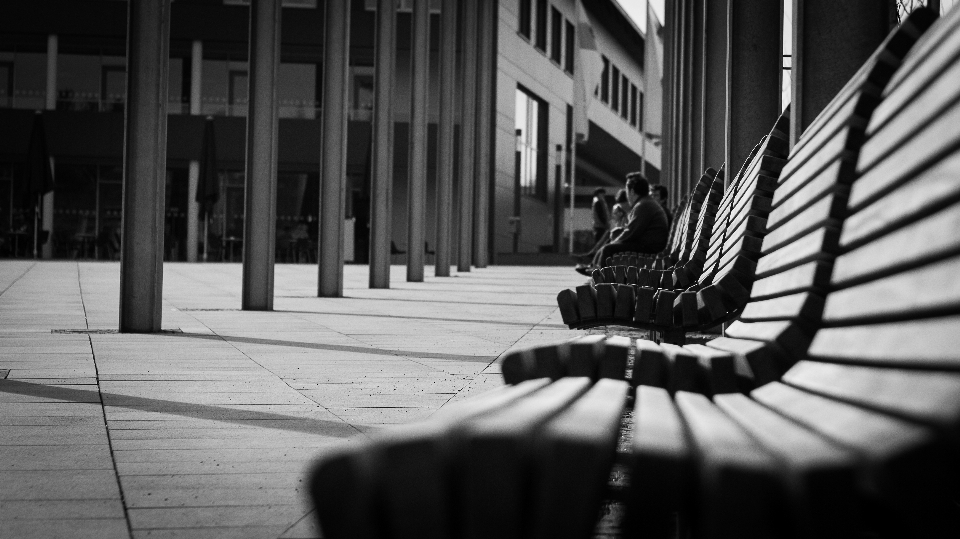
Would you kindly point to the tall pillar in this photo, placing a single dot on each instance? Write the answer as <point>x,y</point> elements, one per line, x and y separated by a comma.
<point>417,180</point>
<point>697,92</point>
<point>668,146</point>
<point>381,185</point>
<point>714,82</point>
<point>46,250</point>
<point>260,202</point>
<point>445,146</point>
<point>753,76</point>
<point>144,165</point>
<point>333,146</point>
<point>468,122</point>
<point>685,121</point>
<point>831,40</point>
<point>486,78</point>
<point>193,209</point>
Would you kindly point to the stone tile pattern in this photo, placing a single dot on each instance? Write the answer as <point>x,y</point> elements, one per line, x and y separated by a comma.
<point>208,429</point>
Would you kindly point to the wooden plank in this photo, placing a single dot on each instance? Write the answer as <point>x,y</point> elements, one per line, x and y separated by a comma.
<point>732,292</point>
<point>626,302</point>
<point>342,487</point>
<point>767,361</point>
<point>620,274</point>
<point>792,337</point>
<point>710,304</point>
<point>821,244</point>
<point>585,355</point>
<point>929,343</point>
<point>569,307</point>
<point>915,293</point>
<point>606,299</point>
<point>819,475</point>
<point>810,277</point>
<point>683,370</point>
<point>725,372</point>
<point>493,456</point>
<point>851,110</point>
<point>411,465</point>
<point>613,360</point>
<point>632,275</point>
<point>923,194</point>
<point>661,464</point>
<point>574,455</point>
<point>922,241</point>
<point>608,275</point>
<point>685,309</point>
<point>587,302</point>
<point>649,365</point>
<point>811,191</point>
<point>914,118</point>
<point>663,308</point>
<point>929,51</point>
<point>903,462</point>
<point>517,366</point>
<point>824,213</point>
<point>924,396</point>
<point>802,306</point>
<point>738,494</point>
<point>907,159</point>
<point>643,311</point>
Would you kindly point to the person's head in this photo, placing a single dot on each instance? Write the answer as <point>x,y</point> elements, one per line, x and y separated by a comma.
<point>599,192</point>
<point>622,196</point>
<point>660,193</point>
<point>637,187</point>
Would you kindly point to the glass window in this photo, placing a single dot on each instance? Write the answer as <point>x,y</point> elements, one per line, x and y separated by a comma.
<point>298,85</point>
<point>541,37</point>
<point>237,92</point>
<point>525,12</point>
<point>640,111</point>
<point>605,81</point>
<point>91,83</point>
<point>615,90</point>
<point>633,105</point>
<point>624,96</point>
<point>23,80</point>
<point>556,35</point>
<point>223,88</point>
<point>570,43</point>
<point>530,128</point>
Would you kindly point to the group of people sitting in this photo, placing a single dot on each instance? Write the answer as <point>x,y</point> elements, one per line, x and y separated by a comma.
<point>640,222</point>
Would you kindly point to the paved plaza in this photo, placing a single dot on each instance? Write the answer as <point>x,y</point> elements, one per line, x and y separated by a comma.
<point>208,429</point>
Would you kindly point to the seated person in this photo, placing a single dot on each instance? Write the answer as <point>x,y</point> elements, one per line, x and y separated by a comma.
<point>659,193</point>
<point>646,229</point>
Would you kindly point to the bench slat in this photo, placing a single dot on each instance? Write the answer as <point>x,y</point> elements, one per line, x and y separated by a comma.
<point>767,362</point>
<point>738,495</point>
<point>932,394</point>
<point>821,475</point>
<point>810,277</point>
<point>802,306</point>
<point>929,343</point>
<point>829,180</point>
<point>814,246</point>
<point>661,464</point>
<point>922,194</point>
<point>825,212</point>
<point>494,458</point>
<point>930,239</point>
<point>574,455</point>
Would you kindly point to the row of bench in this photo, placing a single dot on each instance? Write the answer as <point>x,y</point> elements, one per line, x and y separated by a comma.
<point>830,409</point>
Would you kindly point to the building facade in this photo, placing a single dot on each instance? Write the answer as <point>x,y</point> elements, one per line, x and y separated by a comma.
<point>66,59</point>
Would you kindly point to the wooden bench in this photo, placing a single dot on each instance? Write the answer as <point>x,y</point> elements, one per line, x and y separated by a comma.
<point>717,274</point>
<point>853,435</point>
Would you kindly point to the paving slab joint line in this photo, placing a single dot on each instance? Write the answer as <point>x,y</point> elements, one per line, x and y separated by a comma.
<point>15,281</point>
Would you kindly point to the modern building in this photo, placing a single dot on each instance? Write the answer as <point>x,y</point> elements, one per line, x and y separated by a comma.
<point>66,58</point>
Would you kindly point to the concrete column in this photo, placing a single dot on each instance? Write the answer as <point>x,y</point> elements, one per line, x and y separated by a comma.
<point>669,102</point>
<point>46,250</point>
<point>468,122</point>
<point>144,165</point>
<point>685,69</point>
<point>753,76</point>
<point>333,152</point>
<point>697,54</point>
<point>714,82</point>
<point>486,79</point>
<point>831,40</point>
<point>445,146</point>
<point>193,209</point>
<point>381,185</point>
<point>260,202</point>
<point>419,114</point>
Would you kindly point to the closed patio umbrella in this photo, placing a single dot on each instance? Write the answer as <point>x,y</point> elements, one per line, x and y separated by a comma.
<point>208,184</point>
<point>38,173</point>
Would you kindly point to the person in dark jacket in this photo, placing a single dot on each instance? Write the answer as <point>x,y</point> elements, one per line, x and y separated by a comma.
<point>659,192</point>
<point>646,229</point>
<point>601,215</point>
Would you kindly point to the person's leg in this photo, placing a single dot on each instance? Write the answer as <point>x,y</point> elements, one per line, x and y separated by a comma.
<point>610,249</point>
